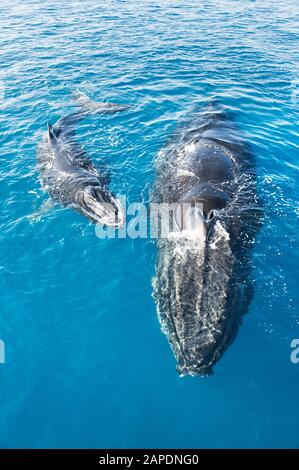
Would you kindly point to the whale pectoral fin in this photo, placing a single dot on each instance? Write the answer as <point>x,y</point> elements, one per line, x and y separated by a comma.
<point>105,178</point>
<point>242,296</point>
<point>51,132</point>
<point>104,172</point>
<point>43,209</point>
<point>81,98</point>
<point>89,106</point>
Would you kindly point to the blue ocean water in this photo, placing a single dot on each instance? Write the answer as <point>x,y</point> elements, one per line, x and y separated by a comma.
<point>86,363</point>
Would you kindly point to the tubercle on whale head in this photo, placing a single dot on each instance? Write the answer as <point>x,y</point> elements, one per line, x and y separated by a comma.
<point>100,206</point>
<point>197,360</point>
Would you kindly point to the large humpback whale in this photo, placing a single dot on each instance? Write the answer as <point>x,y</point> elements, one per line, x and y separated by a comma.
<point>202,285</point>
<point>68,174</point>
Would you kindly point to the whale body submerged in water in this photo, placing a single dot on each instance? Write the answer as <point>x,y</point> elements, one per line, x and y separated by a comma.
<point>69,176</point>
<point>202,285</point>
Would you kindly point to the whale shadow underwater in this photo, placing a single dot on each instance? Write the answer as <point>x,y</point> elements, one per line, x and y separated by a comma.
<point>202,286</point>
<point>69,176</point>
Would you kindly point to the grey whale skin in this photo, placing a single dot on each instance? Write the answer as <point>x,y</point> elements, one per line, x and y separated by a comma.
<point>202,284</point>
<point>68,175</point>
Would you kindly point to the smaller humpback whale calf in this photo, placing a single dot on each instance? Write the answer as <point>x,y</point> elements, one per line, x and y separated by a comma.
<point>202,285</point>
<point>69,176</point>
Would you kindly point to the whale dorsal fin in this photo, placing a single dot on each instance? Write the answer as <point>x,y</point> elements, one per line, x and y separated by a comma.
<point>51,132</point>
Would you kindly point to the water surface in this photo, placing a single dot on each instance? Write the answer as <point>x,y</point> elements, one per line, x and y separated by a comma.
<point>86,363</point>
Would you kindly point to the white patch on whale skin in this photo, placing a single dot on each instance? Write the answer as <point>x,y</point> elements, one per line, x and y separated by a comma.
<point>182,172</point>
<point>190,148</point>
<point>184,152</point>
<point>187,235</point>
<point>187,241</point>
<point>161,153</point>
<point>220,235</point>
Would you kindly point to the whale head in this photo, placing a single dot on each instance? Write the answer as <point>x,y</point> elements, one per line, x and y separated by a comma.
<point>100,206</point>
<point>194,295</point>
<point>200,281</point>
